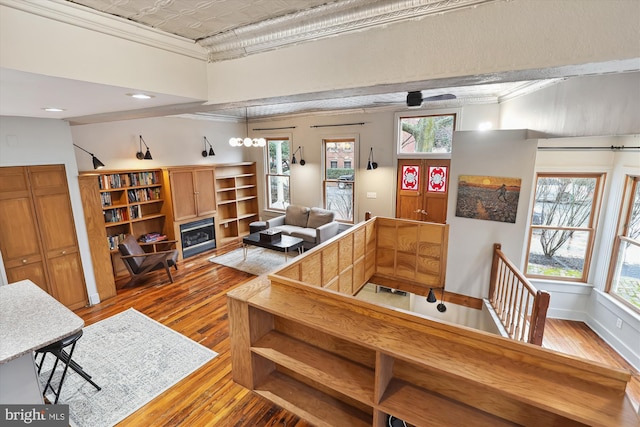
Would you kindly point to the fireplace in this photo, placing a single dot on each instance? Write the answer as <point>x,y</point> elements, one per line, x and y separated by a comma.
<point>197,237</point>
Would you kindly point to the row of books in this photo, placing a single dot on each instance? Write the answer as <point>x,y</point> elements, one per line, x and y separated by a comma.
<point>106,199</point>
<point>115,240</point>
<point>115,215</point>
<point>134,212</point>
<point>143,194</point>
<point>133,179</point>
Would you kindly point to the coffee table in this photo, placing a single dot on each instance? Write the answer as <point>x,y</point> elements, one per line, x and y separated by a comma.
<point>285,244</point>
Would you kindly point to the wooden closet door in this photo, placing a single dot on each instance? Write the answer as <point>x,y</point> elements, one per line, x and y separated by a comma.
<point>183,193</point>
<point>19,238</point>
<point>205,191</point>
<point>57,231</point>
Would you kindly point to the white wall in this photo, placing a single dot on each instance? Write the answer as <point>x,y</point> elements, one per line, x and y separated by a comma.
<point>173,141</point>
<point>501,153</point>
<point>27,142</point>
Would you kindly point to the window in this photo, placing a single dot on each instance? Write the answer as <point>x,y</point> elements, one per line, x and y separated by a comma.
<point>426,134</point>
<point>278,152</point>
<point>339,182</point>
<point>563,226</point>
<point>624,281</point>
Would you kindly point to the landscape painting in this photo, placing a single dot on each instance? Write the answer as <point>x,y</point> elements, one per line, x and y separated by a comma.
<point>490,198</point>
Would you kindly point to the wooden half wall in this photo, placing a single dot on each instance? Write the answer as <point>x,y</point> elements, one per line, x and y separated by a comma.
<point>410,255</point>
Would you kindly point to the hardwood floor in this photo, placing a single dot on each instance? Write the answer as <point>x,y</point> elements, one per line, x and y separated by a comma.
<point>195,305</point>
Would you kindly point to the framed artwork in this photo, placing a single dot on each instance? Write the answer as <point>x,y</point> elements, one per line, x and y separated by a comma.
<point>489,198</point>
<point>410,178</point>
<point>437,179</point>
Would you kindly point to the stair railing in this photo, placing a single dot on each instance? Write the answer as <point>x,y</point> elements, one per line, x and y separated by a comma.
<point>522,308</point>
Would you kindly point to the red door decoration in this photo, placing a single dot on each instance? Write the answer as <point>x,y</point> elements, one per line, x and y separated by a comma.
<point>437,179</point>
<point>410,177</point>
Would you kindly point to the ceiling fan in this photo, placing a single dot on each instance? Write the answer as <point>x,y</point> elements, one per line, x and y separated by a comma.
<point>415,99</point>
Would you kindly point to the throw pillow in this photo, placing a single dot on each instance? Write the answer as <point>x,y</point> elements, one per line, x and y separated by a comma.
<point>297,215</point>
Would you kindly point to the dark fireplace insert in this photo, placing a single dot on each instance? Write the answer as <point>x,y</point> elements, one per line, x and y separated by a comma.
<point>197,237</point>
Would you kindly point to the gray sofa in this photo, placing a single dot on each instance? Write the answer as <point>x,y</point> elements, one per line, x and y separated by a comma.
<point>313,225</point>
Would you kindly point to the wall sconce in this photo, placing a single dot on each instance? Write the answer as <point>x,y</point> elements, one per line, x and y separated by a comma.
<point>371,164</point>
<point>145,156</point>
<point>293,158</point>
<point>97,164</point>
<point>431,297</point>
<point>204,152</point>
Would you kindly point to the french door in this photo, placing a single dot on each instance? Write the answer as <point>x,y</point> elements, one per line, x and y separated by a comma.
<point>422,189</point>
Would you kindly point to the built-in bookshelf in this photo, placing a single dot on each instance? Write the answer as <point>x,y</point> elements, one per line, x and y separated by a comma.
<point>133,203</point>
<point>237,200</point>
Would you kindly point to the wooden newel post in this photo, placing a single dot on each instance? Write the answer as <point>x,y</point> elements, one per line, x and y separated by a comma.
<point>538,317</point>
<point>494,271</point>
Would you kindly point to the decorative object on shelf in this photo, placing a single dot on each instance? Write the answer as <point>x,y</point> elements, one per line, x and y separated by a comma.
<point>441,307</point>
<point>246,141</point>
<point>204,152</point>
<point>97,164</point>
<point>145,156</point>
<point>371,164</point>
<point>293,157</point>
<point>431,297</point>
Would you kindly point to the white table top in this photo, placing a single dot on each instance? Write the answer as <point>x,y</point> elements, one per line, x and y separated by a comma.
<point>31,319</point>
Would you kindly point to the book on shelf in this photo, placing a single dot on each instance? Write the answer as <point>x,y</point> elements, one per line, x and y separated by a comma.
<point>152,237</point>
<point>115,240</point>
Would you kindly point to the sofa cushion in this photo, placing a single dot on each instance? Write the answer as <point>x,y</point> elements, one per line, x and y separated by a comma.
<point>306,234</point>
<point>318,217</point>
<point>297,215</point>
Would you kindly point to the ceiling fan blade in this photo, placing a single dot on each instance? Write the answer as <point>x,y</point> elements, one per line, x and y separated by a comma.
<point>442,97</point>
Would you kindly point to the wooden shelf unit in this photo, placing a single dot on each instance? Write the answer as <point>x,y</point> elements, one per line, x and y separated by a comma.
<point>237,200</point>
<point>336,360</point>
<point>133,202</point>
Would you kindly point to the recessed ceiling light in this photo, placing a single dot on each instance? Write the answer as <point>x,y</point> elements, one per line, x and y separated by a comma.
<point>53,109</point>
<point>140,95</point>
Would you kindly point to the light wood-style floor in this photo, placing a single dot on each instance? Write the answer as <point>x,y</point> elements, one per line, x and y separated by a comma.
<point>195,305</point>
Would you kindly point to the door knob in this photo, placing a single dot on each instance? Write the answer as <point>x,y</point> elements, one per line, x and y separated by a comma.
<point>24,261</point>
<point>417,211</point>
<point>423,212</point>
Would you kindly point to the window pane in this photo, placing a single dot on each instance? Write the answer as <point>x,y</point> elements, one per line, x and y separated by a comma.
<point>564,202</point>
<point>426,134</point>
<point>278,157</point>
<point>339,198</point>
<point>339,181</point>
<point>278,191</point>
<point>558,253</point>
<point>562,226</point>
<point>626,279</point>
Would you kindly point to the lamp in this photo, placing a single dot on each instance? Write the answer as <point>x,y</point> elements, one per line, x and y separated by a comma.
<point>97,164</point>
<point>293,157</point>
<point>371,164</point>
<point>204,152</point>
<point>145,156</point>
<point>441,307</point>
<point>247,142</point>
<point>431,297</point>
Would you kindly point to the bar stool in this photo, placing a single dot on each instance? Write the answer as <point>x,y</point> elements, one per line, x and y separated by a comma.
<point>57,349</point>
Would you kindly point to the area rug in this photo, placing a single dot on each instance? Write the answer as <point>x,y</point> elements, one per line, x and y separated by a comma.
<point>259,260</point>
<point>133,358</point>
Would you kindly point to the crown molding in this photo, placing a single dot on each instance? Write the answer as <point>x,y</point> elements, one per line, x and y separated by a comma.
<point>322,22</point>
<point>89,19</point>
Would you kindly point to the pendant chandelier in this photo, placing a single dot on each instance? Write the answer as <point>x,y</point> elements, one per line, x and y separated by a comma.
<point>247,142</point>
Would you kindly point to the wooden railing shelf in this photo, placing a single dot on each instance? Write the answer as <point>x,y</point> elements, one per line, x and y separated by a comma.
<point>328,356</point>
<point>330,370</point>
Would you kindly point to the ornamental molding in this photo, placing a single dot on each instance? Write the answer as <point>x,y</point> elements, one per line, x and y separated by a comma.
<point>322,22</point>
